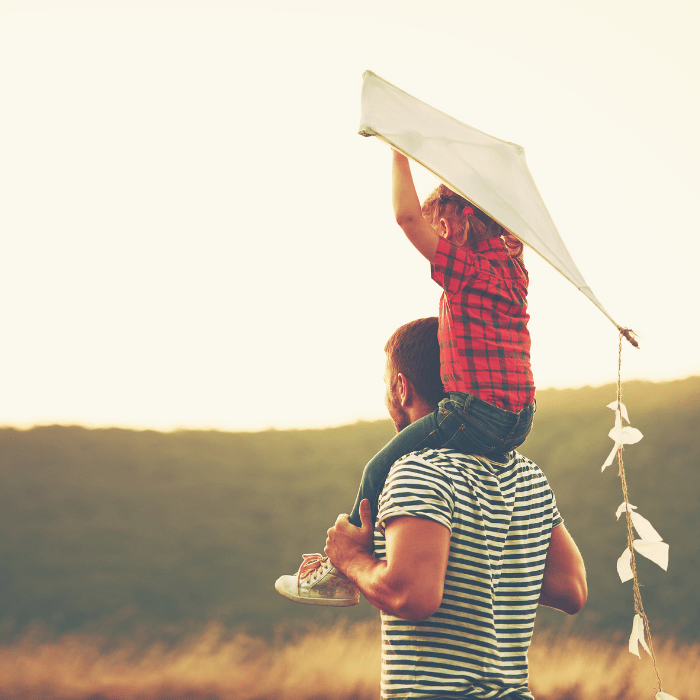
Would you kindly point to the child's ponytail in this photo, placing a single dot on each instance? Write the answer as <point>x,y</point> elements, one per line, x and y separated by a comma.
<point>514,245</point>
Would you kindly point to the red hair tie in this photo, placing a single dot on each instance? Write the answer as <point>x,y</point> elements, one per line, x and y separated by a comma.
<point>467,211</point>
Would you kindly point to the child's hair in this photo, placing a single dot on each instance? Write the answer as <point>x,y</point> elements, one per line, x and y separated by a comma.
<point>442,202</point>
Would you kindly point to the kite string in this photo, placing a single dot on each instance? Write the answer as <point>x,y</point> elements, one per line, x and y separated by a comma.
<point>638,607</point>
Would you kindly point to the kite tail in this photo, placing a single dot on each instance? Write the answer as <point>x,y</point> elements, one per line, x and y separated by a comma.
<point>630,335</point>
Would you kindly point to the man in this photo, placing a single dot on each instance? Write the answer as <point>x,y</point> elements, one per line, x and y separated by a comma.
<point>462,552</point>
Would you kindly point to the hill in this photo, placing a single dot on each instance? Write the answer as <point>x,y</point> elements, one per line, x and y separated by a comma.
<point>118,527</point>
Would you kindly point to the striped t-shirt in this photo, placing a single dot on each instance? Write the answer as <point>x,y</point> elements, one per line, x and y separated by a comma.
<point>500,517</point>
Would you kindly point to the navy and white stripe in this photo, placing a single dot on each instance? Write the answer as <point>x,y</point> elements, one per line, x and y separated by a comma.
<point>500,518</point>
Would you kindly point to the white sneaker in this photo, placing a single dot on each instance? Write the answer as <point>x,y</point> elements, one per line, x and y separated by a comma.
<point>318,582</point>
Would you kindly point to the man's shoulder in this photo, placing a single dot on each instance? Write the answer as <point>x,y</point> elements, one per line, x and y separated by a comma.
<point>449,465</point>
<point>445,456</point>
<point>443,466</point>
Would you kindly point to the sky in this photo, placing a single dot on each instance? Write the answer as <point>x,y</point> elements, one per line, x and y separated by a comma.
<point>194,235</point>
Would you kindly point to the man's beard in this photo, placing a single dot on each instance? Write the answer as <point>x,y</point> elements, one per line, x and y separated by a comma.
<point>398,414</point>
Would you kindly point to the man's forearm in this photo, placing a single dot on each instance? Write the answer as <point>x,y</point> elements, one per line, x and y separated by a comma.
<point>370,576</point>
<point>398,595</point>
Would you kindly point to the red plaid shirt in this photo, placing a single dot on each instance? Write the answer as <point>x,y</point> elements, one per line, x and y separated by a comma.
<point>484,341</point>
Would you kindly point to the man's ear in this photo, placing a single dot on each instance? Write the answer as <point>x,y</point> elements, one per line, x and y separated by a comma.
<point>404,389</point>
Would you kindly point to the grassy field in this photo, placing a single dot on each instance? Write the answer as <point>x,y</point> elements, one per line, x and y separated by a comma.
<point>331,663</point>
<point>114,528</point>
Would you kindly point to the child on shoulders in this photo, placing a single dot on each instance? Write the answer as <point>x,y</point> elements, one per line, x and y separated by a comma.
<point>484,355</point>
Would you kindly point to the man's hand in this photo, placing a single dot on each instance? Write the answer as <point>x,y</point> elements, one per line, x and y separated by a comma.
<point>345,541</point>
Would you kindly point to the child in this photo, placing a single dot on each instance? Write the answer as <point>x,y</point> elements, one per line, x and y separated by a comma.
<point>484,355</point>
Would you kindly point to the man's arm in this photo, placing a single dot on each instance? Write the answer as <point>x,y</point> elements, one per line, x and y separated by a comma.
<point>409,584</point>
<point>564,584</point>
<point>407,209</point>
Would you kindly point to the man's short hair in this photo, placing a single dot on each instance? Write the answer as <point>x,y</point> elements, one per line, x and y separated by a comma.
<point>414,351</point>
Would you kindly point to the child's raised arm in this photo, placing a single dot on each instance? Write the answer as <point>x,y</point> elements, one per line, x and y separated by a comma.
<point>407,209</point>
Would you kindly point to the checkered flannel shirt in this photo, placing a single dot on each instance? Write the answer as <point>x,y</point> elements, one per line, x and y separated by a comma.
<point>484,341</point>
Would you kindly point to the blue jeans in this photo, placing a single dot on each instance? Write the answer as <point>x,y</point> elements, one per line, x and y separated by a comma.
<point>462,423</point>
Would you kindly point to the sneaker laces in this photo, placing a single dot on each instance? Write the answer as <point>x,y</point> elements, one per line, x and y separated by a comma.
<point>311,566</point>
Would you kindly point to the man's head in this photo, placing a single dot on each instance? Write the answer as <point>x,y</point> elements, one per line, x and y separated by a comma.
<point>412,377</point>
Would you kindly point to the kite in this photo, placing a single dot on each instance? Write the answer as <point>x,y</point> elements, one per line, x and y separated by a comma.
<point>489,172</point>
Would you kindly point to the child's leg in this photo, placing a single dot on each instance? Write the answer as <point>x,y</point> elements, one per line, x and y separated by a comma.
<point>435,430</point>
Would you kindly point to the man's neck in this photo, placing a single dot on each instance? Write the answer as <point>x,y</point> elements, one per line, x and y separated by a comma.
<point>418,410</point>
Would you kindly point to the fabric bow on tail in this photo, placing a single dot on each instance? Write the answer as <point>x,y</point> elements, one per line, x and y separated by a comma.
<point>622,435</point>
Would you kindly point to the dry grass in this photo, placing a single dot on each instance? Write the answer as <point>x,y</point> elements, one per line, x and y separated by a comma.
<point>341,663</point>
<point>570,668</point>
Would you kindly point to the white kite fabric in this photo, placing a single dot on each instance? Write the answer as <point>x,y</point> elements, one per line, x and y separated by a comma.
<point>490,173</point>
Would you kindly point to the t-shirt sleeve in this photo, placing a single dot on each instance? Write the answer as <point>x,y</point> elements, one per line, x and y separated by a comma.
<point>547,498</point>
<point>556,515</point>
<point>453,266</point>
<point>417,488</point>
